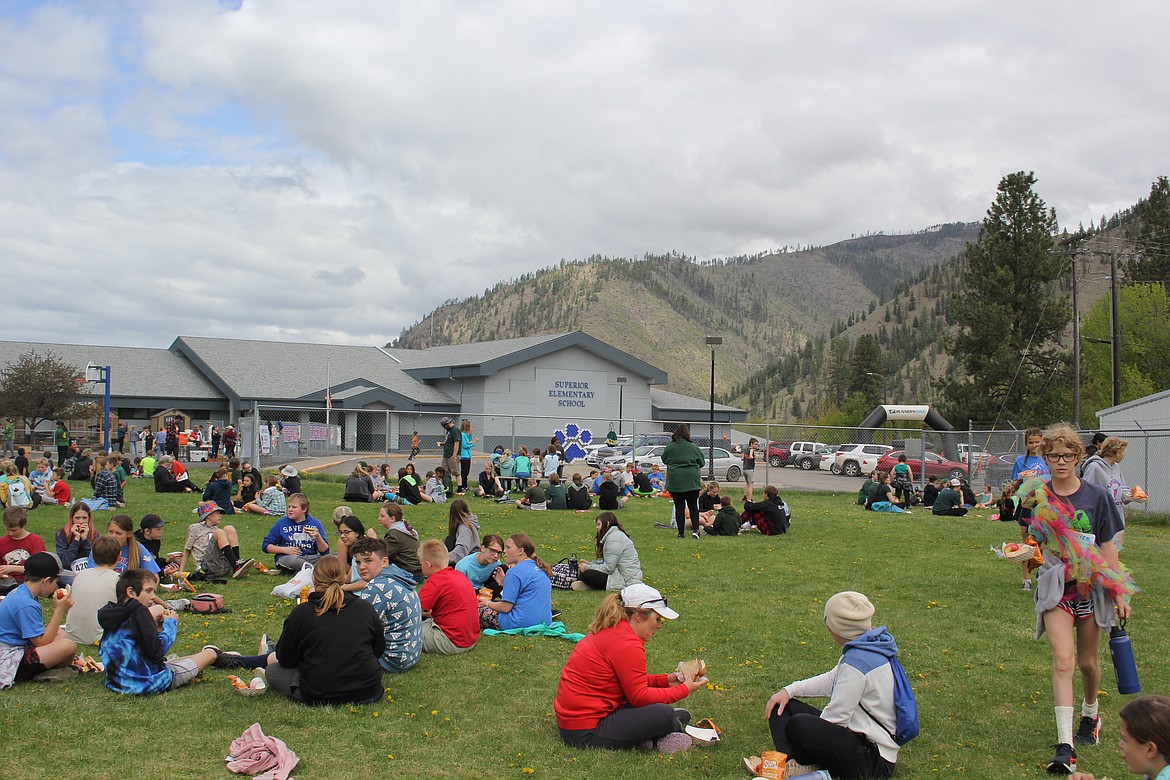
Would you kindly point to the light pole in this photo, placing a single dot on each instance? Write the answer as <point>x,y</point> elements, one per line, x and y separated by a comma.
<point>621,383</point>
<point>96,373</point>
<point>712,342</point>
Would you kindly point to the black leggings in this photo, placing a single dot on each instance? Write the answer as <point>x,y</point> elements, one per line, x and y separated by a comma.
<point>688,499</point>
<point>594,579</point>
<point>803,734</point>
<point>464,470</point>
<point>629,727</point>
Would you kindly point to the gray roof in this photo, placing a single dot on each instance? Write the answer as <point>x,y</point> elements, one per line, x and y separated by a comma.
<point>664,400</point>
<point>136,372</point>
<point>486,358</point>
<point>267,370</point>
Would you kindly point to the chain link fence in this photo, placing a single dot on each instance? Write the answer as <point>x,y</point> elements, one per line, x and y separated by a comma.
<point>984,457</point>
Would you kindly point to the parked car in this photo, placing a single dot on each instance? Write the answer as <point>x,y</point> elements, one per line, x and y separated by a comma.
<point>978,454</point>
<point>778,453</point>
<point>728,467</point>
<point>807,461</point>
<point>786,453</point>
<point>854,460</point>
<point>936,465</point>
<point>621,459</point>
<point>595,453</point>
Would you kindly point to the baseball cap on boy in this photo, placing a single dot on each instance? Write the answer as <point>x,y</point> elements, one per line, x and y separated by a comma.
<point>152,521</point>
<point>40,566</point>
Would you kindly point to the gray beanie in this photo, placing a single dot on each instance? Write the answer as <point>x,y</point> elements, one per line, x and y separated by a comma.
<point>849,614</point>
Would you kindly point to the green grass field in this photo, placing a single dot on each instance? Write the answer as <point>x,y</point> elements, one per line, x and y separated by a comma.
<point>751,606</point>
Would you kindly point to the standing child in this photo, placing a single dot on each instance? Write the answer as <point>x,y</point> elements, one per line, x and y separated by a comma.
<point>749,468</point>
<point>1030,464</point>
<point>137,634</point>
<point>466,441</point>
<point>28,647</point>
<point>413,446</point>
<point>1081,587</point>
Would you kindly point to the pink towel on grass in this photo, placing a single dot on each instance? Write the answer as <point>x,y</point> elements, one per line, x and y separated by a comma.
<point>252,753</point>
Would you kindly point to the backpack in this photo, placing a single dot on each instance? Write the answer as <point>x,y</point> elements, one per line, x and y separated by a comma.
<point>18,494</point>
<point>905,707</point>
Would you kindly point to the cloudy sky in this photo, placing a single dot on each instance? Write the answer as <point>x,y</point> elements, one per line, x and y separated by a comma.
<point>331,171</point>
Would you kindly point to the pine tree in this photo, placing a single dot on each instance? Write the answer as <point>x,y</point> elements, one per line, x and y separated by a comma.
<point>1152,263</point>
<point>1009,314</point>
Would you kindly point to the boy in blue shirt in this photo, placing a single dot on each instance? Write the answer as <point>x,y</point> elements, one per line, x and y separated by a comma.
<point>28,647</point>
<point>138,633</point>
<point>297,538</point>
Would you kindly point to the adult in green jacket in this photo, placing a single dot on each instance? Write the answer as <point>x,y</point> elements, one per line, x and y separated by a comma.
<point>684,464</point>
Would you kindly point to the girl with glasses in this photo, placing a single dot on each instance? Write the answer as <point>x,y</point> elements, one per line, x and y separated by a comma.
<point>1080,588</point>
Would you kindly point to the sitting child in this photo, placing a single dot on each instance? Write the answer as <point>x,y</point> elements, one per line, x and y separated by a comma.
<point>657,478</point>
<point>16,546</point>
<point>643,486</point>
<point>215,550</point>
<point>390,591</point>
<point>436,489</point>
<point>723,521</point>
<point>297,538</point>
<point>28,647</point>
<point>450,609</point>
<point>578,497</point>
<point>92,589</point>
<point>985,499</point>
<point>556,497</point>
<point>219,490</point>
<point>484,569</point>
<point>608,494</point>
<point>534,497</point>
<point>271,501</point>
<point>56,491</point>
<point>401,540</point>
<point>40,475</point>
<point>137,634</point>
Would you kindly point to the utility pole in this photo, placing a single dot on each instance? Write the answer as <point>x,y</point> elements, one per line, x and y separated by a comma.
<point>1115,324</point>
<point>1076,347</point>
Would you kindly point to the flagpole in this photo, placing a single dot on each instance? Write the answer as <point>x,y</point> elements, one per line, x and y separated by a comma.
<point>328,402</point>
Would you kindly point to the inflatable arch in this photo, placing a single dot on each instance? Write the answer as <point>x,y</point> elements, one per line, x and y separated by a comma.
<point>915,412</point>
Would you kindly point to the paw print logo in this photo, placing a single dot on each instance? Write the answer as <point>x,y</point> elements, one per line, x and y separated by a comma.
<point>573,440</point>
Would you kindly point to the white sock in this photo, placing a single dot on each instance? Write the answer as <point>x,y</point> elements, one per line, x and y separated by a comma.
<point>1089,710</point>
<point>1064,725</point>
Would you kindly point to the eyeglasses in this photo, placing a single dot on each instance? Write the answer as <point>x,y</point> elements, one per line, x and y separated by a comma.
<point>647,604</point>
<point>1061,457</point>
<point>494,551</point>
<point>344,531</point>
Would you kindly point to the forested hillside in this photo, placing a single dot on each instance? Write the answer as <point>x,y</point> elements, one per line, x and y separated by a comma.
<point>768,307</point>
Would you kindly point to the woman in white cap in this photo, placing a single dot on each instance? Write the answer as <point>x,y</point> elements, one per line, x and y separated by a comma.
<point>606,698</point>
<point>853,736</point>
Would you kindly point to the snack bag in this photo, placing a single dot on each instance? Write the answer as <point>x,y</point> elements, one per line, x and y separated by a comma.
<point>772,764</point>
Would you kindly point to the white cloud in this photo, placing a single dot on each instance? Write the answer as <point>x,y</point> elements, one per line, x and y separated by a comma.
<point>332,172</point>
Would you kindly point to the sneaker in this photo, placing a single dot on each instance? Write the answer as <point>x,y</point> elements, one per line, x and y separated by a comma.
<point>746,527</point>
<point>243,567</point>
<point>227,659</point>
<point>694,534</point>
<point>218,655</point>
<point>1027,585</point>
<point>1089,730</point>
<point>556,615</point>
<point>796,769</point>
<point>1065,761</point>
<point>674,742</point>
<point>578,585</point>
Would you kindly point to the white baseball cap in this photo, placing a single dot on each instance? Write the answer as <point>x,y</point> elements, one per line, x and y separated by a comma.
<point>642,596</point>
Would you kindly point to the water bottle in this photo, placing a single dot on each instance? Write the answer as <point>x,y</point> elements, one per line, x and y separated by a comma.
<point>820,774</point>
<point>1124,666</point>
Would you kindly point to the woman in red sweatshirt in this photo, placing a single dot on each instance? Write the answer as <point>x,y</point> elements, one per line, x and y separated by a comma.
<point>605,697</point>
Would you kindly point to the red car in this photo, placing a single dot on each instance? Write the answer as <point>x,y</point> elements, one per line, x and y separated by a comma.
<point>936,465</point>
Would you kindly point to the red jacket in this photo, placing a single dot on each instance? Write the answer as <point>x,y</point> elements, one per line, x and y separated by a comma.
<point>606,671</point>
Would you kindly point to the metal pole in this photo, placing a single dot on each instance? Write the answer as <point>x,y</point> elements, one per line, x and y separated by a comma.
<point>1076,399</point>
<point>106,423</point>
<point>1115,323</point>
<point>386,442</point>
<point>711,429</point>
<point>256,434</point>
